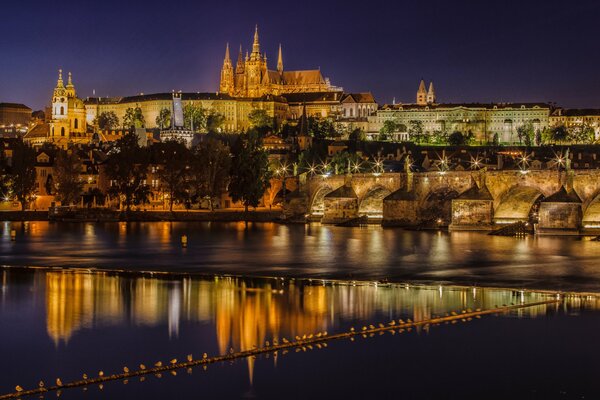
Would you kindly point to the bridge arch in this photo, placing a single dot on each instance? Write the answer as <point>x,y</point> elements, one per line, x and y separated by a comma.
<point>436,207</point>
<point>591,215</point>
<point>371,203</point>
<point>317,206</point>
<point>519,203</point>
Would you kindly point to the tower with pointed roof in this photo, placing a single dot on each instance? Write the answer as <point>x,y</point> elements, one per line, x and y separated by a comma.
<point>431,94</point>
<point>256,67</point>
<point>422,94</point>
<point>227,82</point>
<point>68,123</point>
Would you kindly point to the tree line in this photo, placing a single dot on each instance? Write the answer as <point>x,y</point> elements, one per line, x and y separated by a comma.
<point>183,175</point>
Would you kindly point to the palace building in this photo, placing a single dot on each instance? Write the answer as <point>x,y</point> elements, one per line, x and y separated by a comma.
<point>484,121</point>
<point>251,76</point>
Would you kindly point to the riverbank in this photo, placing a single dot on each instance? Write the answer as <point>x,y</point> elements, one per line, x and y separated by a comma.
<point>104,215</point>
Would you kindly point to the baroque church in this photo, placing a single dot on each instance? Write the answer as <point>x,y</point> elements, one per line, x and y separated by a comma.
<point>252,77</point>
<point>68,123</point>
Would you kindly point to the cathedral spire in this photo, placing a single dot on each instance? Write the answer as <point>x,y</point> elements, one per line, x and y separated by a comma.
<point>69,81</point>
<point>239,68</point>
<point>280,61</point>
<point>227,58</point>
<point>256,44</point>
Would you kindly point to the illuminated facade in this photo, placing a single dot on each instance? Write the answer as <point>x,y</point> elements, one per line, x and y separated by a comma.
<point>68,122</point>
<point>252,77</point>
<point>485,121</point>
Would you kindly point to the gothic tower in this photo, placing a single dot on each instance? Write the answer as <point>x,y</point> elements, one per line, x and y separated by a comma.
<point>431,94</point>
<point>255,68</point>
<point>240,75</point>
<point>422,94</point>
<point>227,83</point>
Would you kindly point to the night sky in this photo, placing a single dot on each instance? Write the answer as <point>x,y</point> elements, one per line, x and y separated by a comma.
<point>474,51</point>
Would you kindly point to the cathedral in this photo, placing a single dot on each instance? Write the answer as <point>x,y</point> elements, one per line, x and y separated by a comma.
<point>251,77</point>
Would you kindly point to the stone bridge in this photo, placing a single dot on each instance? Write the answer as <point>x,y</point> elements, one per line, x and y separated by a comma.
<point>468,199</point>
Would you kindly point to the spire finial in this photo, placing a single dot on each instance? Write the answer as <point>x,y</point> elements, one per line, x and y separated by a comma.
<point>280,60</point>
<point>256,44</point>
<point>59,83</point>
<point>70,81</point>
<point>227,52</point>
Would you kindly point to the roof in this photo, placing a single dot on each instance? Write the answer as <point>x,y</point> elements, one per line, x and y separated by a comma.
<point>157,96</point>
<point>312,97</point>
<point>15,105</point>
<point>307,77</point>
<point>488,106</point>
<point>366,97</point>
<point>401,194</point>
<point>563,196</point>
<point>476,193</point>
<point>343,192</point>
<point>38,131</point>
<point>576,112</point>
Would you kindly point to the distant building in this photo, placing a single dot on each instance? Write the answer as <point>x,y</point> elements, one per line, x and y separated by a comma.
<point>483,120</point>
<point>14,118</point>
<point>576,117</point>
<point>251,76</point>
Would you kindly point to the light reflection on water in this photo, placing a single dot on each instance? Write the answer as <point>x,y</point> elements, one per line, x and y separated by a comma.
<point>79,308</point>
<point>309,251</point>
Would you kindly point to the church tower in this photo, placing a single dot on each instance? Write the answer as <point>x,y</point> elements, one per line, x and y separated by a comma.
<point>240,75</point>
<point>227,83</point>
<point>68,123</point>
<point>431,94</point>
<point>255,68</point>
<point>422,94</point>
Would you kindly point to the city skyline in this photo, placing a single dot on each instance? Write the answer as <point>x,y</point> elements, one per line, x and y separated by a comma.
<point>120,53</point>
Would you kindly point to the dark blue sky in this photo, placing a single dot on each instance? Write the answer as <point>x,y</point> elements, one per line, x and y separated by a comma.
<point>472,50</point>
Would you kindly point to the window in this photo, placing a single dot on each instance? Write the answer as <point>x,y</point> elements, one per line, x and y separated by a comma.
<point>62,110</point>
<point>62,131</point>
<point>76,123</point>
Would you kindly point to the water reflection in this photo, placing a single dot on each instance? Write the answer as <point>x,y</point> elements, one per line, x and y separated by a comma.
<point>240,313</point>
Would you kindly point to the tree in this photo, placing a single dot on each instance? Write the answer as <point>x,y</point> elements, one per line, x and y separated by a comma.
<point>322,128</point>
<point>126,167</point>
<point>174,174</point>
<point>416,130</point>
<point>558,133</point>
<point>211,164</point>
<point>133,118</point>
<point>457,139</point>
<point>163,119</point>
<point>4,177</point>
<point>214,121</point>
<point>343,160</point>
<point>67,176</point>
<point>388,129</point>
<point>250,173</point>
<point>583,134</point>
<point>526,134</point>
<point>21,173</point>
<point>260,120</point>
<point>194,117</point>
<point>107,121</point>
<point>357,135</point>
<point>439,137</point>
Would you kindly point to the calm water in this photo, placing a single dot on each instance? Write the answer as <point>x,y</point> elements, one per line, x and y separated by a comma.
<point>309,251</point>
<point>65,323</point>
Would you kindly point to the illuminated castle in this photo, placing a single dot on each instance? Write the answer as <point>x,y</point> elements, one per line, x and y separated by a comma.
<point>251,76</point>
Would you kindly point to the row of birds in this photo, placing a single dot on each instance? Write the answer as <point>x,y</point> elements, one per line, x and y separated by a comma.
<point>275,342</point>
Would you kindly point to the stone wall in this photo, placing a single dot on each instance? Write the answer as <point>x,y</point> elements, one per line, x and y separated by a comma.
<point>559,216</point>
<point>470,214</point>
